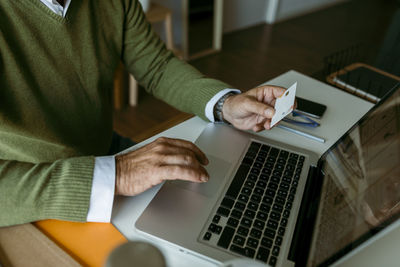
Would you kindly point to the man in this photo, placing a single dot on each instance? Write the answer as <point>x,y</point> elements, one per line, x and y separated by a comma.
<point>57,62</point>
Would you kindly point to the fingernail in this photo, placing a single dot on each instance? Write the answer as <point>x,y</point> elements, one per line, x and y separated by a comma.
<point>204,179</point>
<point>269,112</point>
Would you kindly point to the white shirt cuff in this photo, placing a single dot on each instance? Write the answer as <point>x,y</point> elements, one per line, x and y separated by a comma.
<point>209,111</point>
<point>103,187</point>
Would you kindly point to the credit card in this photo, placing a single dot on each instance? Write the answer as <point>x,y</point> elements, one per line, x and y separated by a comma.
<point>284,104</point>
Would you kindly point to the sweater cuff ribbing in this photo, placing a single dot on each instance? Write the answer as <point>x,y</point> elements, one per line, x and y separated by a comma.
<point>69,189</point>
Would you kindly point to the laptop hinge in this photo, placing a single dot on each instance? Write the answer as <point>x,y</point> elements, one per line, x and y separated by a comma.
<point>301,242</point>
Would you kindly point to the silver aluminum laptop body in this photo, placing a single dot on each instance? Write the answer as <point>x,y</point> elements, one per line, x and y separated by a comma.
<point>181,211</point>
<point>348,205</point>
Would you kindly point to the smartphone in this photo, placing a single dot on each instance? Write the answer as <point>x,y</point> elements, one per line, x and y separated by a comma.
<point>310,108</point>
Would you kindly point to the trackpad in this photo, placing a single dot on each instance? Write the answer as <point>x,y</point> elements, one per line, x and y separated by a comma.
<point>217,168</point>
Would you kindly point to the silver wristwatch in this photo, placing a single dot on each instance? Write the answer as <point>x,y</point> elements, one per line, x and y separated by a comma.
<point>218,107</point>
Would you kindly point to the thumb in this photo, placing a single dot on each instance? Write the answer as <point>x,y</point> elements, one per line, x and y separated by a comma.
<point>260,108</point>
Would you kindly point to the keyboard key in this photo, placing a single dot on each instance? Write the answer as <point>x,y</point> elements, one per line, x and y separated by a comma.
<point>255,233</point>
<point>279,167</point>
<point>228,203</point>
<point>246,191</point>
<point>254,146</point>
<point>273,186</point>
<point>266,242</point>
<point>280,200</point>
<point>236,214</point>
<point>238,240</point>
<point>272,261</point>
<point>255,198</point>
<point>275,216</point>
<point>269,233</point>
<point>250,155</point>
<point>259,191</point>
<point>269,165</point>
<point>268,200</point>
<point>260,159</point>
<point>272,224</point>
<point>266,171</point>
<point>277,208</point>
<point>246,222</point>
<point>238,181</point>
<point>281,231</point>
<point>223,211</point>
<point>215,228</point>
<point>265,148</point>
<point>293,155</point>
<point>249,213</point>
<point>284,185</point>
<point>284,154</point>
<point>216,219</point>
<point>258,165</point>
<point>290,197</point>
<point>274,151</point>
<point>270,193</point>
<point>248,160</point>
<point>249,184</point>
<point>226,237</point>
<point>207,236</point>
<point>252,177</point>
<point>282,193</point>
<point>262,216</point>
<point>247,252</point>
<point>243,231</point>
<point>255,171</point>
<point>302,158</point>
<point>284,222</point>
<point>240,206</point>
<point>253,243</point>
<point>259,224</point>
<point>252,206</point>
<point>278,241</point>
<point>275,251</point>
<point>275,179</point>
<point>286,214</point>
<point>264,177</point>
<point>243,198</point>
<point>262,254</point>
<point>264,208</point>
<point>261,184</point>
<point>233,222</point>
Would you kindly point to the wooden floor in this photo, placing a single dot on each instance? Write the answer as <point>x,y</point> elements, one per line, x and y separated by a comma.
<point>256,54</point>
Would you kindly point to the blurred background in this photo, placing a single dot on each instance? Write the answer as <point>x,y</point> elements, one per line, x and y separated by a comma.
<point>245,43</point>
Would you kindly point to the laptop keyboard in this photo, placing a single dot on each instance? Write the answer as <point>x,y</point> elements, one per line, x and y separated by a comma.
<point>252,217</point>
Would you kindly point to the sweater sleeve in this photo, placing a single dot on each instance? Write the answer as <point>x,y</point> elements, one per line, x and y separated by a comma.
<point>159,71</point>
<point>56,190</point>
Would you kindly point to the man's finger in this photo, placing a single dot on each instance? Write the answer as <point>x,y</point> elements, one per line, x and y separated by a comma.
<point>267,92</point>
<point>186,173</point>
<point>262,109</point>
<point>181,159</point>
<point>188,145</point>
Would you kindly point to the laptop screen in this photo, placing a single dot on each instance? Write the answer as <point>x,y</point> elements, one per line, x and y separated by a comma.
<point>361,189</point>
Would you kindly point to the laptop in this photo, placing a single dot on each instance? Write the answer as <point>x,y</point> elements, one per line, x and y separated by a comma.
<point>283,205</point>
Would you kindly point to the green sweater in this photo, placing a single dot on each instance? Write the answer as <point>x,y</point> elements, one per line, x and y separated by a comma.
<point>56,77</point>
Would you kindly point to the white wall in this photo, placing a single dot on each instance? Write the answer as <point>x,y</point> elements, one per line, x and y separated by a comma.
<point>176,7</point>
<point>240,14</point>
<point>291,8</point>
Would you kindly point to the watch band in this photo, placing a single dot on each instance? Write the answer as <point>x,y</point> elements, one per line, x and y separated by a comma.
<point>218,117</point>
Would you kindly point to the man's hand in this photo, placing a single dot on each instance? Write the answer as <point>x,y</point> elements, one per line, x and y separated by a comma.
<point>252,109</point>
<point>163,159</point>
